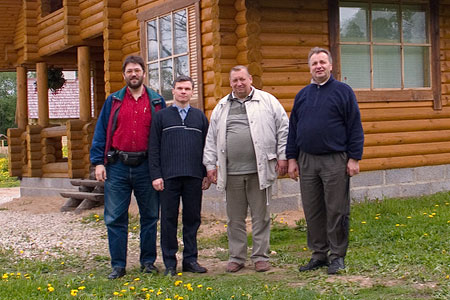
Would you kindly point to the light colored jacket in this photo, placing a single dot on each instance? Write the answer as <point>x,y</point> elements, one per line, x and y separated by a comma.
<point>269,126</point>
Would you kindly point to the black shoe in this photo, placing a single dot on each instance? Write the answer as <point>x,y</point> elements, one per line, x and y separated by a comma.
<point>117,272</point>
<point>149,268</point>
<point>336,265</point>
<point>194,267</point>
<point>313,264</point>
<point>170,271</point>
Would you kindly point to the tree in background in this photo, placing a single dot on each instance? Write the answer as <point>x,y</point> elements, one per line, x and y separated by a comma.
<point>8,99</point>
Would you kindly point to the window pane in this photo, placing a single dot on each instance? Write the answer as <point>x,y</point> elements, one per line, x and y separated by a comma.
<point>417,71</point>
<point>353,22</point>
<point>414,24</point>
<point>165,34</point>
<point>152,41</point>
<point>181,65</point>
<point>153,76</point>
<point>180,32</point>
<point>386,67</point>
<point>166,79</point>
<point>355,60</point>
<point>385,21</point>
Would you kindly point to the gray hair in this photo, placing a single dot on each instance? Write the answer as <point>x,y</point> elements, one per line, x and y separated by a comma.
<point>317,50</point>
<point>239,68</point>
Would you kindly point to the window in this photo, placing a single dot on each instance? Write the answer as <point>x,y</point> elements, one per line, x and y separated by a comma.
<point>385,45</point>
<point>167,52</point>
<point>170,43</point>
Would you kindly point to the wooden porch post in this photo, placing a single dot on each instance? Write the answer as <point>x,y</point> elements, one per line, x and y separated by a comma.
<point>84,80</point>
<point>22,98</point>
<point>42,89</point>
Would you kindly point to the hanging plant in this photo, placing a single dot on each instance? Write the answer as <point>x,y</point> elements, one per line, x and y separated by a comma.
<point>55,80</point>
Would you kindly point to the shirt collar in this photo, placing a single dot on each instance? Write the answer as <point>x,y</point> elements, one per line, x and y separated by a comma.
<point>323,83</point>
<point>186,109</point>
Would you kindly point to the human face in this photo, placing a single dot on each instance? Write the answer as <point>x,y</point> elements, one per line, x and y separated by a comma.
<point>134,75</point>
<point>182,93</point>
<point>320,67</point>
<point>241,83</point>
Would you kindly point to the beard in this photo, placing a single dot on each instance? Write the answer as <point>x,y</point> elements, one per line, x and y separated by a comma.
<point>134,85</point>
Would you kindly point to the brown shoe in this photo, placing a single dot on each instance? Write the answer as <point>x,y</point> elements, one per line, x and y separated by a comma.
<point>262,266</point>
<point>233,267</point>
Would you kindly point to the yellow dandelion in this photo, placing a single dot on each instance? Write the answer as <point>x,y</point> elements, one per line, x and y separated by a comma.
<point>409,217</point>
<point>351,230</point>
<point>73,292</point>
<point>446,203</point>
<point>180,298</point>
<point>137,279</point>
<point>97,220</point>
<point>126,283</point>
<point>448,221</point>
<point>120,295</point>
<point>225,225</point>
<point>147,296</point>
<point>168,299</point>
<point>62,262</point>
<point>443,251</point>
<point>50,289</point>
<point>200,286</point>
<point>96,216</point>
<point>134,227</point>
<point>39,288</point>
<point>209,288</point>
<point>425,234</point>
<point>447,277</point>
<point>178,282</point>
<point>425,213</point>
<point>144,289</point>
<point>378,215</point>
<point>21,251</point>
<point>91,275</point>
<point>151,291</point>
<point>159,292</point>
<point>81,287</point>
<point>179,274</point>
<point>377,218</point>
<point>396,225</point>
<point>304,248</point>
<point>132,288</point>
<point>123,291</point>
<point>5,276</point>
<point>433,214</point>
<point>363,222</point>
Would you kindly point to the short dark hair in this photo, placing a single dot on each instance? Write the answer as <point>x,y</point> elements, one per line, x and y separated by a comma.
<point>133,59</point>
<point>183,78</point>
<point>317,50</point>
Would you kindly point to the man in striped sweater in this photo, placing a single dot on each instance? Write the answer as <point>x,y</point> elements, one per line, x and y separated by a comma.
<point>177,139</point>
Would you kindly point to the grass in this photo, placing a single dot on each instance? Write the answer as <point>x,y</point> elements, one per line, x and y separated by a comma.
<point>399,249</point>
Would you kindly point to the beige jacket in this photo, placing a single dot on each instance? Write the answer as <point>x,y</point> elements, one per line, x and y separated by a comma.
<point>269,126</point>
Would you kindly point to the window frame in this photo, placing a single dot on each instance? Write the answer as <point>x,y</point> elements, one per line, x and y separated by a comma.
<point>432,93</point>
<point>170,8</point>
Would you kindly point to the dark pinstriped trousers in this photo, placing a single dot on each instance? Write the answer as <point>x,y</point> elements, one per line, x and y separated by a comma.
<point>324,186</point>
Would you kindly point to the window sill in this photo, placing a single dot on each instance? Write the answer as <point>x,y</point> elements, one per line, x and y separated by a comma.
<point>387,95</point>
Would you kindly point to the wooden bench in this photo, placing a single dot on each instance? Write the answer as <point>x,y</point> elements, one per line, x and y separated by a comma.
<point>89,195</point>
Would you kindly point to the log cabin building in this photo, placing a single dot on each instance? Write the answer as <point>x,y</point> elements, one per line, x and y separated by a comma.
<point>395,54</point>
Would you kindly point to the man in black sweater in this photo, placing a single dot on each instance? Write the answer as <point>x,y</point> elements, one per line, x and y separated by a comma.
<point>177,139</point>
<point>325,143</point>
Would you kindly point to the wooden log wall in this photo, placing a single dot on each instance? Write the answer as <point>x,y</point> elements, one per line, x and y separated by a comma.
<point>26,32</point>
<point>88,134</point>
<point>91,18</point>
<point>16,151</point>
<point>51,145</point>
<point>130,28</point>
<point>34,154</point>
<point>112,45</point>
<point>75,148</point>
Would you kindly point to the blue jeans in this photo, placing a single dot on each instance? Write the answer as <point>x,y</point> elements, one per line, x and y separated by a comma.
<point>121,181</point>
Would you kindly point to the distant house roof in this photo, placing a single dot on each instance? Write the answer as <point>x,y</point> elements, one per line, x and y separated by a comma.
<point>63,105</point>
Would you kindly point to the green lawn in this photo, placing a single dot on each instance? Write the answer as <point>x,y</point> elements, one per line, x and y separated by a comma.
<point>399,249</point>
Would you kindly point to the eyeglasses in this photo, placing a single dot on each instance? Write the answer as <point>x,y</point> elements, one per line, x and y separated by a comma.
<point>131,71</point>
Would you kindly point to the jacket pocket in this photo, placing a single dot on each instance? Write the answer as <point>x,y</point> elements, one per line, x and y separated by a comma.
<point>271,165</point>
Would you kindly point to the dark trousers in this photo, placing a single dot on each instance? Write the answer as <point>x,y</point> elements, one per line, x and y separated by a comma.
<point>324,186</point>
<point>189,189</point>
<point>121,181</point>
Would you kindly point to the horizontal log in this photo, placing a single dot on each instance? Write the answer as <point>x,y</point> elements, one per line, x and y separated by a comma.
<point>91,10</point>
<point>47,22</point>
<point>16,165</point>
<point>75,125</point>
<point>54,175</point>
<point>76,164</point>
<point>76,154</point>
<point>14,133</point>
<point>75,135</point>
<point>46,31</point>
<point>35,163</point>
<point>318,4</point>
<point>406,150</point>
<point>85,4</point>
<point>385,105</point>
<point>228,38</point>
<point>33,129</point>
<point>283,91</point>
<point>404,162</point>
<point>227,12</point>
<point>294,15</point>
<point>92,20</point>
<point>52,48</point>
<point>403,138</point>
<point>79,173</point>
<point>406,125</point>
<point>130,26</point>
<point>404,114</point>
<point>292,39</point>
<point>91,31</point>
<point>249,56</point>
<point>396,95</point>
<point>285,52</point>
<point>50,132</point>
<point>75,144</point>
<point>285,78</point>
<point>51,38</point>
<point>57,167</point>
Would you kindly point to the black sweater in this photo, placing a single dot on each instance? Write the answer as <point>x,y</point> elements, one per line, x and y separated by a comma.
<point>325,119</point>
<point>176,146</point>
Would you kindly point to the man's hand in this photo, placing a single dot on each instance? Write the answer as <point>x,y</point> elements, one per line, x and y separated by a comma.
<point>212,176</point>
<point>158,184</point>
<point>206,183</point>
<point>100,173</point>
<point>282,167</point>
<point>293,169</point>
<point>352,167</point>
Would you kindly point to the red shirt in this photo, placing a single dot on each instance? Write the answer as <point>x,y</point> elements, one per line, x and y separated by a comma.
<point>133,123</point>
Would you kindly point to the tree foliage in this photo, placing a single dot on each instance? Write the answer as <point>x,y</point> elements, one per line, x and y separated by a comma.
<point>8,99</point>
